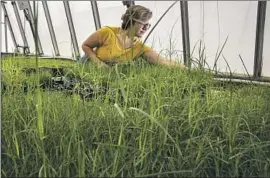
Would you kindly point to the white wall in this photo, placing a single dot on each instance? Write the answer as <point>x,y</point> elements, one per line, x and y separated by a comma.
<point>266,50</point>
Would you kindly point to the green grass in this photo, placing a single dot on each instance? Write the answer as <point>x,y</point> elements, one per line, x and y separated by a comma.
<point>153,121</point>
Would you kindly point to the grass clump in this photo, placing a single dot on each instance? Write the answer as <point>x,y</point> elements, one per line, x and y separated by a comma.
<point>151,121</point>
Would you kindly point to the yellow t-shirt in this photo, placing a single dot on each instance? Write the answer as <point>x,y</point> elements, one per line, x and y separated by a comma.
<point>111,51</point>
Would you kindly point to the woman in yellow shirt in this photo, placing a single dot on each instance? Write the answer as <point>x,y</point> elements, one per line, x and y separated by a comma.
<point>122,44</point>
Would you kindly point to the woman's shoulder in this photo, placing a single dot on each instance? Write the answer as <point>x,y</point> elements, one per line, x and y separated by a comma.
<point>109,29</point>
<point>106,32</point>
<point>144,47</point>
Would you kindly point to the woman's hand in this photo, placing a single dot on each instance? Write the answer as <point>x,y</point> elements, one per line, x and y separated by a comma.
<point>93,41</point>
<point>103,65</point>
<point>154,58</point>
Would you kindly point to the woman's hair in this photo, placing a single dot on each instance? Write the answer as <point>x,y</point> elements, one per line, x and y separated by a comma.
<point>135,12</point>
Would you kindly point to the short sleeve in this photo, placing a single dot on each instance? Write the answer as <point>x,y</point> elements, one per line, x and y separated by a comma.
<point>143,48</point>
<point>103,33</point>
<point>146,48</point>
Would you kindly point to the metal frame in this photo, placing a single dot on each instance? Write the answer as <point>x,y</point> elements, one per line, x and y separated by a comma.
<point>72,29</point>
<point>96,14</point>
<point>258,79</point>
<point>261,13</point>
<point>6,39</point>
<point>16,12</point>
<point>240,81</point>
<point>185,32</point>
<point>28,13</point>
<point>51,29</point>
<point>9,25</point>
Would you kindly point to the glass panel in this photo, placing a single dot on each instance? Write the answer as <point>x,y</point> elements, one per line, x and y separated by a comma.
<point>60,24</point>
<point>83,20</point>
<point>167,35</point>
<point>212,22</point>
<point>266,46</point>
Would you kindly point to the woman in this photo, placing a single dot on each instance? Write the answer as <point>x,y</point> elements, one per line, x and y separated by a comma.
<point>110,45</point>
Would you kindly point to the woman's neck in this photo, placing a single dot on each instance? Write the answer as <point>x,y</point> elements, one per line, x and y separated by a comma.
<point>128,34</point>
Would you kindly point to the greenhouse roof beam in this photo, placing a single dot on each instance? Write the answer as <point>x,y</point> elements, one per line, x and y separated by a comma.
<point>9,25</point>
<point>261,13</point>
<point>96,14</point>
<point>51,29</point>
<point>185,32</point>
<point>6,39</point>
<point>25,43</point>
<point>71,29</point>
<point>27,10</point>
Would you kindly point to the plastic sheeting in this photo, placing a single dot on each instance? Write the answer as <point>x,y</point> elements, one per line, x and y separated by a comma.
<point>60,24</point>
<point>43,31</point>
<point>110,12</point>
<point>212,22</point>
<point>83,20</point>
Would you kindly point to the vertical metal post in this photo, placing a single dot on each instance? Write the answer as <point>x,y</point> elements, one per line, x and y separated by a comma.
<point>261,13</point>
<point>26,47</point>
<point>51,29</point>
<point>96,14</point>
<point>185,32</point>
<point>6,37</point>
<point>10,27</point>
<point>71,29</point>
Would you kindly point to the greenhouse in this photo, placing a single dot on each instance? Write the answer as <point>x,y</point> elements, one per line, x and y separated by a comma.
<point>135,88</point>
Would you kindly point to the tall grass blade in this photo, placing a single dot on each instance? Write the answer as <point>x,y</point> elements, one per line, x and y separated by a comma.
<point>219,53</point>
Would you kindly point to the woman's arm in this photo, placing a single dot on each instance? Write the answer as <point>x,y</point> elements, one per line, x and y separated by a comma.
<point>89,44</point>
<point>154,58</point>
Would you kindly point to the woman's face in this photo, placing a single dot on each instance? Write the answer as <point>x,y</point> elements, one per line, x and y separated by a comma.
<point>141,27</point>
